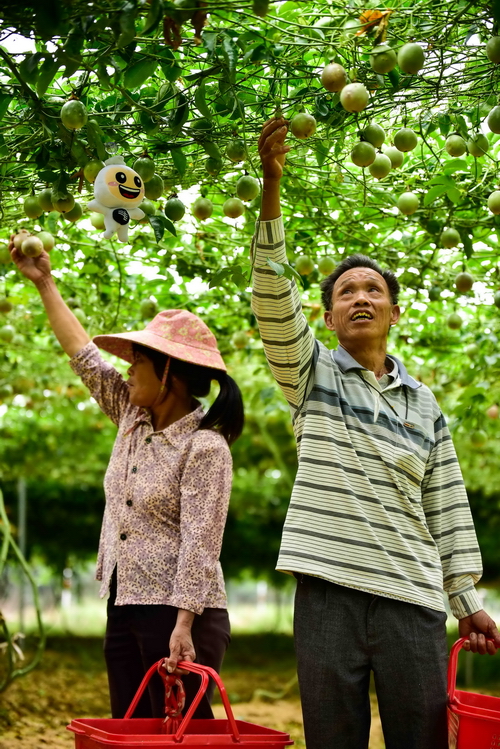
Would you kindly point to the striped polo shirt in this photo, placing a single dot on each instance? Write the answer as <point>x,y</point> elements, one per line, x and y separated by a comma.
<point>379,503</point>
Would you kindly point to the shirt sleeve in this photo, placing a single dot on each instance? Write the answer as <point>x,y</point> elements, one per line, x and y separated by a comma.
<point>288,340</point>
<point>449,518</point>
<point>205,491</point>
<point>105,383</point>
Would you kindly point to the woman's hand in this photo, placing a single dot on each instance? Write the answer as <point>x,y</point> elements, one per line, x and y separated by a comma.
<point>272,148</point>
<point>36,269</point>
<point>181,642</point>
<point>480,629</point>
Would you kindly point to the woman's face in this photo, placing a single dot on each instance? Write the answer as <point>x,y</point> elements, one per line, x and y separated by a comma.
<point>143,383</point>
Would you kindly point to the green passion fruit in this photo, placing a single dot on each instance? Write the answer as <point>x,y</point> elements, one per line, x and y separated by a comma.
<point>202,208</point>
<point>464,282</point>
<point>411,58</point>
<point>153,188</point>
<point>247,187</point>
<point>374,134</point>
<point>174,208</point>
<point>303,125</point>
<point>235,150</point>
<point>145,168</point>
<point>450,238</point>
<point>408,203</point>
<point>383,59</point>
<point>381,166</point>
<point>32,247</point>
<point>493,49</point>
<point>74,115</point>
<point>354,97</point>
<point>405,140</point>
<point>233,208</point>
<point>478,145</point>
<point>92,169</point>
<point>455,145</point>
<point>304,265</point>
<point>454,321</point>
<point>363,154</point>
<point>45,199</point>
<point>333,77</point>
<point>32,207</point>
<point>494,202</point>
<point>396,156</point>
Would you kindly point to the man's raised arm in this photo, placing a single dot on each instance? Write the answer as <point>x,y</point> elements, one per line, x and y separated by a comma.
<point>287,338</point>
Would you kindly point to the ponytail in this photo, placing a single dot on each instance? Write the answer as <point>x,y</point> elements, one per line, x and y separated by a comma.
<point>226,414</point>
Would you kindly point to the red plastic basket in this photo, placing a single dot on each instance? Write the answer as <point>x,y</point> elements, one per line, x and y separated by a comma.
<point>473,719</point>
<point>138,733</point>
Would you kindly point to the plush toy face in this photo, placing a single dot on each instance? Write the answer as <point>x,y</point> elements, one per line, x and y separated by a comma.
<point>119,186</point>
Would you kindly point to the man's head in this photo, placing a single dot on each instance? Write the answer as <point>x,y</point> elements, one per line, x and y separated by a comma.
<point>360,299</point>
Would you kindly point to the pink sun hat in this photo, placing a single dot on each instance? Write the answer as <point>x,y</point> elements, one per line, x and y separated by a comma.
<point>174,332</point>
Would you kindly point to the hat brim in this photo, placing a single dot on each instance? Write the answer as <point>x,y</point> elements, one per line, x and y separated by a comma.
<point>121,345</point>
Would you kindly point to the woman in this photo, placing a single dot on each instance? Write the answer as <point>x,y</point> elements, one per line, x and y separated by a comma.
<point>167,491</point>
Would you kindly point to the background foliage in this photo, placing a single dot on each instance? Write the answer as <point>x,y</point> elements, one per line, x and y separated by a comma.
<point>180,81</point>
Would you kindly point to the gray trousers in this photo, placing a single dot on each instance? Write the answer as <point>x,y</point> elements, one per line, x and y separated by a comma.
<point>341,635</point>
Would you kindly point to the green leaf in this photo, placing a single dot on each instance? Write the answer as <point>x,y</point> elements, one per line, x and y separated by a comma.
<point>230,52</point>
<point>160,224</point>
<point>467,243</point>
<point>139,72</point>
<point>434,193</point>
<point>238,278</point>
<point>454,195</point>
<point>444,123</point>
<point>201,104</point>
<point>442,179</point>
<point>5,100</point>
<point>278,268</point>
<point>209,40</point>
<point>126,25</point>
<point>219,276</point>
<point>169,64</point>
<point>28,69</point>
<point>455,165</point>
<point>181,114</point>
<point>321,151</point>
<point>91,268</point>
<point>212,149</point>
<point>94,139</point>
<point>393,76</point>
<point>46,74</point>
<point>153,18</point>
<point>179,159</point>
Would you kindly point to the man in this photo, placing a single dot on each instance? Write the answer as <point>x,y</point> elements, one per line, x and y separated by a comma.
<point>379,523</point>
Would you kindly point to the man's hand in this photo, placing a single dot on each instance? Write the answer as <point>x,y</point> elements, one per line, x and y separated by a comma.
<point>181,648</point>
<point>272,148</point>
<point>477,628</point>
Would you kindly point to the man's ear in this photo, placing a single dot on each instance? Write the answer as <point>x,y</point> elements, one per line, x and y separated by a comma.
<point>328,318</point>
<point>395,314</point>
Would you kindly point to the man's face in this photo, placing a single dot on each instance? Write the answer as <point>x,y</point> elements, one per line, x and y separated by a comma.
<point>362,309</point>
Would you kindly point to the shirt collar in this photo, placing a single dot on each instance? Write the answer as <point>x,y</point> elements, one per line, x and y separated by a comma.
<point>346,363</point>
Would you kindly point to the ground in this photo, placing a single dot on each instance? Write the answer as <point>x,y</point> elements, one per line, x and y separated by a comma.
<point>71,683</point>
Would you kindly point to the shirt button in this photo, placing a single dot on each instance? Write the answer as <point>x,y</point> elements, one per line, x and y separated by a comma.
<point>134,469</point>
<point>129,502</point>
<point>148,440</point>
<point>123,536</point>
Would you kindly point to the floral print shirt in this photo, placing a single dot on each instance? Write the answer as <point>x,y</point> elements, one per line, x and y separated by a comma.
<point>167,495</point>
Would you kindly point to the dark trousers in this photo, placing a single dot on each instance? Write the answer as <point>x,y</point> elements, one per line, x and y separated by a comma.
<point>341,635</point>
<point>138,636</point>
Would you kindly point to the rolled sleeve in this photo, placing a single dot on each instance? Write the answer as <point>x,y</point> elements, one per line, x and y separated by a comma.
<point>205,492</point>
<point>105,383</point>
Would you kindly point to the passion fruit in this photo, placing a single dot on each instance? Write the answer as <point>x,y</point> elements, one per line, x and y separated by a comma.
<point>454,321</point>
<point>405,139</point>
<point>494,120</point>
<point>478,438</point>
<point>47,239</point>
<point>5,306</point>
<point>92,169</point>
<point>233,208</point>
<point>493,49</point>
<point>32,247</point>
<point>45,199</point>
<point>333,77</point>
<point>464,282</point>
<point>450,238</point>
<point>478,145</point>
<point>408,203</point>
<point>174,208</point>
<point>240,339</point>
<point>7,333</point>
<point>374,134</point>
<point>411,58</point>
<point>435,293</point>
<point>303,125</point>
<point>304,265</point>
<point>202,208</point>
<point>354,97</point>
<point>80,315</point>
<point>381,166</point>
<point>19,238</point>
<point>383,59</point>
<point>148,309</point>
<point>235,150</point>
<point>62,202</point>
<point>213,166</point>
<point>145,168</point>
<point>363,154</point>
<point>247,187</point>
<point>153,188</point>
<point>493,412</point>
<point>5,256</point>
<point>32,207</point>
<point>494,202</point>
<point>75,213</point>
<point>97,221</point>
<point>326,265</point>
<point>455,145</point>
<point>74,115</point>
<point>396,156</point>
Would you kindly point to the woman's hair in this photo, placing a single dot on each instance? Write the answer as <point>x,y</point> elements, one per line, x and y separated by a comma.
<point>225,415</point>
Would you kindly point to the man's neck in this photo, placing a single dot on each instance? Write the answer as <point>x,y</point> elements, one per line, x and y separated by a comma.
<point>373,359</point>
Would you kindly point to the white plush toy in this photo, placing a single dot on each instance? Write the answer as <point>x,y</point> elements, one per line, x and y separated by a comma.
<point>118,191</point>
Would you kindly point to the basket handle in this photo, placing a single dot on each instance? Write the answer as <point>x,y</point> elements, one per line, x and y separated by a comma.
<point>452,667</point>
<point>204,672</point>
